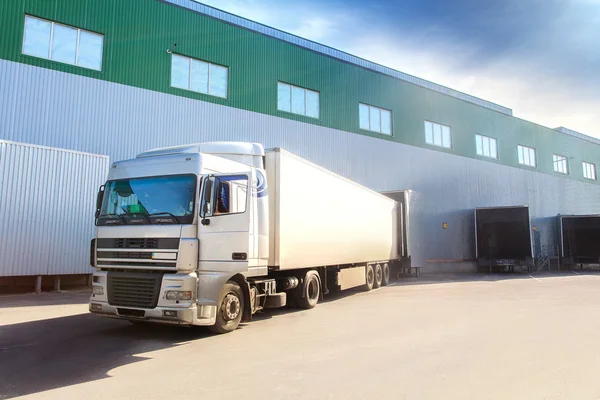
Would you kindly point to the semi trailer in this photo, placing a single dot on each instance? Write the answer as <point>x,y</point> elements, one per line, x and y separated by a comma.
<point>503,237</point>
<point>579,239</point>
<point>209,234</point>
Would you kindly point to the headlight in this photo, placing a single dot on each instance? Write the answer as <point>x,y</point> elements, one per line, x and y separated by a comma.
<point>97,290</point>
<point>178,295</point>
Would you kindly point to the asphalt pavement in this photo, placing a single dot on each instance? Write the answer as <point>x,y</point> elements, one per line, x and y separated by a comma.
<point>455,337</point>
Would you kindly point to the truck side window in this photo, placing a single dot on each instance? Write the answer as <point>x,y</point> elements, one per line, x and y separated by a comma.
<point>232,195</point>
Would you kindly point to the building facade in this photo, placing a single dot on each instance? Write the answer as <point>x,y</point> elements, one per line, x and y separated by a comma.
<point>119,77</point>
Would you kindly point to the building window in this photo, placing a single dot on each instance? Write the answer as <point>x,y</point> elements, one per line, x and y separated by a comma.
<point>560,164</point>
<point>198,76</point>
<point>589,170</point>
<point>526,155</point>
<point>375,119</point>
<point>58,42</point>
<point>438,135</point>
<point>297,100</point>
<point>486,146</point>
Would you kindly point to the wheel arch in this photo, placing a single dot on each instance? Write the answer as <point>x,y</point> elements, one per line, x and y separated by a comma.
<point>241,280</point>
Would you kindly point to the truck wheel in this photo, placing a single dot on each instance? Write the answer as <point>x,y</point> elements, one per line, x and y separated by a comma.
<point>369,277</point>
<point>385,274</point>
<point>311,291</point>
<point>378,276</point>
<point>230,309</point>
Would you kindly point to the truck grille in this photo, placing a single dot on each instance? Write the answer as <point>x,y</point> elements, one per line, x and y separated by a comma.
<point>125,254</point>
<point>133,289</point>
<point>138,243</point>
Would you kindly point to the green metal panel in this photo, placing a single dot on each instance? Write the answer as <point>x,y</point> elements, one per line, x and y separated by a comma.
<point>138,32</point>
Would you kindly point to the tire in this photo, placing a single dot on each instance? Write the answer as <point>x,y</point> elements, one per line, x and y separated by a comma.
<point>378,276</point>
<point>369,277</point>
<point>230,309</point>
<point>311,291</point>
<point>385,274</point>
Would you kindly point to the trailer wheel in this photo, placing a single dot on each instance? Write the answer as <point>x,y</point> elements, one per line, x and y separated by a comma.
<point>230,309</point>
<point>369,277</point>
<point>385,274</point>
<point>311,291</point>
<point>378,276</point>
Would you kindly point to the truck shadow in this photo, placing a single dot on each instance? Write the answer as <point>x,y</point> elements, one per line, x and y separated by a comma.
<point>330,297</point>
<point>42,355</point>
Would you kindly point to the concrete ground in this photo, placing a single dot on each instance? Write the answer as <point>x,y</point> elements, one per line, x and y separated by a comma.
<point>463,337</point>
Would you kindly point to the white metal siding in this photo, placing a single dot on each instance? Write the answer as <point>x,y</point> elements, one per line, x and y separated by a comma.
<point>47,198</point>
<point>122,121</point>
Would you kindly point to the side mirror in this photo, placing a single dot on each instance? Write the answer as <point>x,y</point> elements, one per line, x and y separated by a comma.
<point>208,190</point>
<point>206,197</point>
<point>99,198</point>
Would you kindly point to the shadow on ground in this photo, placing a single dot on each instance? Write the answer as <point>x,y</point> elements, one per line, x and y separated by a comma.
<point>43,355</point>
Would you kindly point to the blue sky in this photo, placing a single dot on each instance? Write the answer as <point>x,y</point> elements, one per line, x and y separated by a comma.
<point>539,57</point>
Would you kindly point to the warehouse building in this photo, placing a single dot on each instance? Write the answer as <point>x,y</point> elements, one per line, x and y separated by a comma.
<point>114,78</point>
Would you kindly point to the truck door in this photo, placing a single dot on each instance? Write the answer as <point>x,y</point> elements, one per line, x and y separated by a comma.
<point>223,229</point>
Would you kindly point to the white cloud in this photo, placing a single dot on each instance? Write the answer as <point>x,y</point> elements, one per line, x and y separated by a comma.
<point>514,81</point>
<point>532,94</point>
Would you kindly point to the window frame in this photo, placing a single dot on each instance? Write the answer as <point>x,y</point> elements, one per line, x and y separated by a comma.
<point>557,158</point>
<point>534,156</point>
<point>592,166</point>
<point>49,58</point>
<point>190,76</point>
<point>489,138</point>
<point>442,126</point>
<point>305,90</point>
<point>379,109</point>
<point>214,195</point>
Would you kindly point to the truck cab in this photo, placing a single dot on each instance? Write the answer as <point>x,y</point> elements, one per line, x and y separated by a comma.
<point>174,226</point>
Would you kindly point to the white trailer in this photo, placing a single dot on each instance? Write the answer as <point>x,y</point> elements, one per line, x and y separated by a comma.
<point>320,218</point>
<point>209,234</point>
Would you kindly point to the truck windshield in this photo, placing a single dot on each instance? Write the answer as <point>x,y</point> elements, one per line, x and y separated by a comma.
<point>153,200</point>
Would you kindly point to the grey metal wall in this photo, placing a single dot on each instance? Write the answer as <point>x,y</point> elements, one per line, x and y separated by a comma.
<point>47,198</point>
<point>57,109</point>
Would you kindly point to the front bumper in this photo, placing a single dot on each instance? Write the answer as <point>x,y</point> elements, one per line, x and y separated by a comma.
<point>166,311</point>
<point>195,315</point>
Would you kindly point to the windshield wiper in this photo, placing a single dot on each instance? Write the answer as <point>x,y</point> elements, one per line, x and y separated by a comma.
<point>113,215</point>
<point>165,212</point>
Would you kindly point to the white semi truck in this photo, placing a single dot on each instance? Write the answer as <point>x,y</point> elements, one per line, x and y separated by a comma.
<point>209,234</point>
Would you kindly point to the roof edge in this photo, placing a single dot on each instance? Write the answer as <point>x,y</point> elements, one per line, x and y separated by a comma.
<point>331,52</point>
<point>576,134</point>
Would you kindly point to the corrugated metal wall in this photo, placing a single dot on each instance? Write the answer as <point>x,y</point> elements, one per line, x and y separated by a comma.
<point>137,34</point>
<point>96,116</point>
<point>47,198</point>
<point>319,48</point>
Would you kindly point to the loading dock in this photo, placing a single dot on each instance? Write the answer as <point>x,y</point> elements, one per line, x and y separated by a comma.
<point>503,238</point>
<point>579,239</point>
